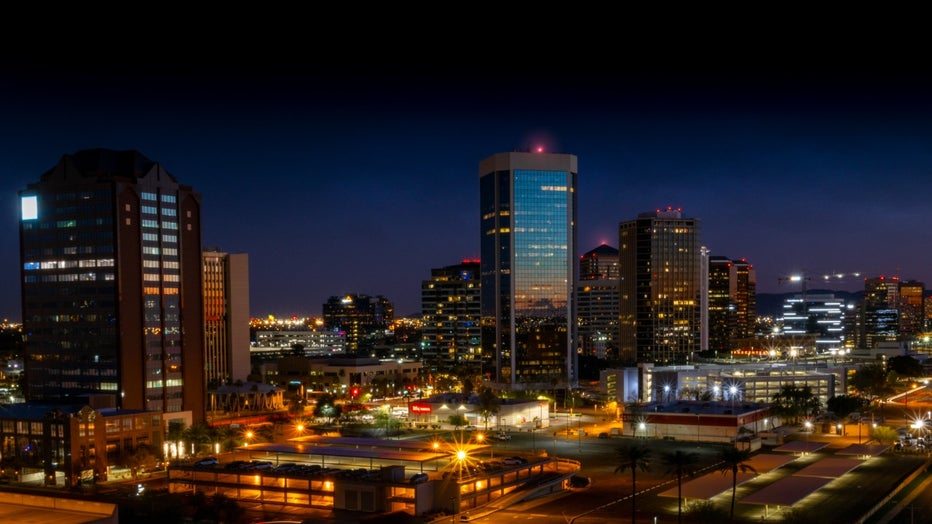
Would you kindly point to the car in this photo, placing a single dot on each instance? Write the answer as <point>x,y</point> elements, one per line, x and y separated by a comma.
<point>209,461</point>
<point>603,435</point>
<point>514,461</point>
<point>503,436</point>
<point>471,428</point>
<point>417,478</point>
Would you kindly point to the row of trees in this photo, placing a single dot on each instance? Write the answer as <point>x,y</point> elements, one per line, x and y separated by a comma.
<point>635,456</point>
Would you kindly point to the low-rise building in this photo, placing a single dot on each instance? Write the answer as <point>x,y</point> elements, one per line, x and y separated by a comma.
<point>63,444</point>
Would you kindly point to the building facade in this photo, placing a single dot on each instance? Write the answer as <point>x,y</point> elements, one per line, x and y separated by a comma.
<point>64,444</point>
<point>819,317</point>
<point>110,250</point>
<point>450,332</point>
<point>660,285</point>
<point>362,319</point>
<point>597,301</point>
<point>528,268</point>
<point>226,316</point>
<point>912,308</point>
<point>732,289</point>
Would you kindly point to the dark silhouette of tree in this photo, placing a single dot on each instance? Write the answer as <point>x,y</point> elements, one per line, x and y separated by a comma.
<point>142,458</point>
<point>457,420</point>
<point>326,407</point>
<point>871,381</point>
<point>905,366</point>
<point>734,460</point>
<point>633,456</point>
<point>793,402</point>
<point>843,405</point>
<point>681,464</point>
<point>198,433</point>
<point>488,405</point>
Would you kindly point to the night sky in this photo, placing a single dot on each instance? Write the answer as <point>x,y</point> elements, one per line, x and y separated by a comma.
<point>359,179</point>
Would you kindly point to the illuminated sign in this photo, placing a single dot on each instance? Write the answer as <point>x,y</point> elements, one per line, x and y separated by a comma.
<point>420,408</point>
<point>30,206</point>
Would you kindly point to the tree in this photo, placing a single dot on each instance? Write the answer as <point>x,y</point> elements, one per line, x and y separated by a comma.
<point>884,435</point>
<point>843,405</point>
<point>142,459</point>
<point>905,365</point>
<point>734,460</point>
<point>457,420</point>
<point>635,457</point>
<point>871,381</point>
<point>793,402</point>
<point>198,434</point>
<point>488,405</point>
<point>326,407</point>
<point>680,463</point>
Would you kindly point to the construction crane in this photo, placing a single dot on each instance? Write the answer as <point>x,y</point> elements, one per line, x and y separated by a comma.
<point>825,278</point>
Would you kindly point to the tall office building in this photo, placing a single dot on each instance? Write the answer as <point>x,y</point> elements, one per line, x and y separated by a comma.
<point>528,268</point>
<point>879,311</point>
<point>597,301</point>
<point>363,319</point>
<point>450,332</point>
<point>721,313</point>
<point>659,293</point>
<point>815,319</point>
<point>226,316</point>
<point>732,289</point>
<point>110,245</point>
<point>912,307</point>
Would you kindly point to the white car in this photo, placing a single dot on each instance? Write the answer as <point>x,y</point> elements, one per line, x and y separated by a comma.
<point>503,436</point>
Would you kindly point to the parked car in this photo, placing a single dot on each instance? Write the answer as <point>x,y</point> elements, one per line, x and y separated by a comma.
<point>209,461</point>
<point>471,428</point>
<point>514,461</point>
<point>417,478</point>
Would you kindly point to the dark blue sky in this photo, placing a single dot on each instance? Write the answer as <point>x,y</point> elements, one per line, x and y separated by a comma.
<point>361,179</point>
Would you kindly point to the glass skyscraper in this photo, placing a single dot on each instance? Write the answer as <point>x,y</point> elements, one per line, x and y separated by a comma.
<point>528,268</point>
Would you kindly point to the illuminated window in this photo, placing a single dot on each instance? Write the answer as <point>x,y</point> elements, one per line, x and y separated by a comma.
<point>30,207</point>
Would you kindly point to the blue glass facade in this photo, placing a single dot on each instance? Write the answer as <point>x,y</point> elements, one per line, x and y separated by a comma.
<point>528,268</point>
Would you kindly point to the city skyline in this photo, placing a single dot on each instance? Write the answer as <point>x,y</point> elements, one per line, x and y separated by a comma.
<point>361,180</point>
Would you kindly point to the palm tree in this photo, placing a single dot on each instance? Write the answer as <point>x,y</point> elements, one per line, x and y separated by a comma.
<point>635,457</point>
<point>734,460</point>
<point>198,434</point>
<point>680,463</point>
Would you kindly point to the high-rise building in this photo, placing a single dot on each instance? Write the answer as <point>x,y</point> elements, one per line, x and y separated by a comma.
<point>721,313</point>
<point>450,332</point>
<point>597,301</point>
<point>528,267</point>
<point>363,319</point>
<point>912,307</point>
<point>659,293</point>
<point>879,311</point>
<point>110,245</point>
<point>816,320</point>
<point>732,289</point>
<point>226,316</point>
